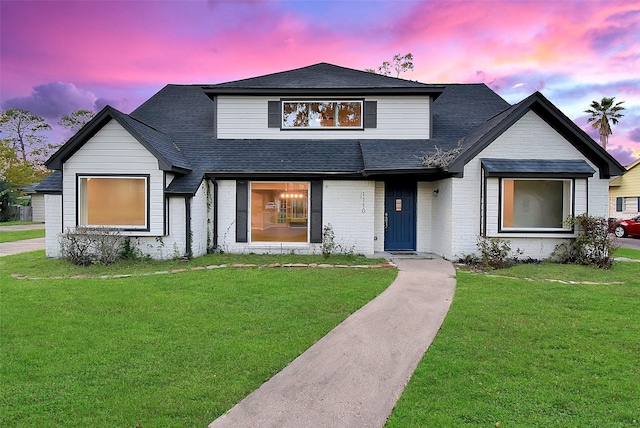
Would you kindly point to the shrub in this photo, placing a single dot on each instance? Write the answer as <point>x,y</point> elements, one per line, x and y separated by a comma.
<point>91,245</point>
<point>593,246</point>
<point>328,241</point>
<point>495,253</point>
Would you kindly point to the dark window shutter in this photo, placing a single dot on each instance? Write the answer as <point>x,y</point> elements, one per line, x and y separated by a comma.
<point>639,203</point>
<point>274,114</point>
<point>315,234</point>
<point>370,114</point>
<point>619,202</point>
<point>242,210</point>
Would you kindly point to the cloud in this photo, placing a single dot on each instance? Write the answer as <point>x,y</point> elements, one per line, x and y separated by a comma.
<point>634,135</point>
<point>53,100</point>
<point>624,155</point>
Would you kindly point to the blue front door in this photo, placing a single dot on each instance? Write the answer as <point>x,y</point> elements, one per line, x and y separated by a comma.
<point>400,216</point>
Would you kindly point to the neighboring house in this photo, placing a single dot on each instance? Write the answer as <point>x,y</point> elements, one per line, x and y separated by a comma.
<point>264,164</point>
<point>36,203</point>
<point>624,193</point>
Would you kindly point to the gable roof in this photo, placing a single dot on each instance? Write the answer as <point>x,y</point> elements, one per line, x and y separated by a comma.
<point>324,78</point>
<point>483,135</point>
<point>160,145</point>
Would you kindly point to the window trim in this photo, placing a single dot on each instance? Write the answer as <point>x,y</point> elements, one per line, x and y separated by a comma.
<point>250,214</point>
<point>535,230</point>
<point>124,228</point>
<point>322,128</point>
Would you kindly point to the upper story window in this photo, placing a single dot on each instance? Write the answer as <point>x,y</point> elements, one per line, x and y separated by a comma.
<point>322,114</point>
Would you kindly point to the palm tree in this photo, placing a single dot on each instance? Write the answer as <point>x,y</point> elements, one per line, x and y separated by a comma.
<point>602,113</point>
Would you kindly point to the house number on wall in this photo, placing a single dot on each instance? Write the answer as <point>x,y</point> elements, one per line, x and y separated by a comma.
<point>363,210</point>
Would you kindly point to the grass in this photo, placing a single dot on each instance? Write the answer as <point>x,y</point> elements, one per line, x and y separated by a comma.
<point>19,235</point>
<point>532,353</point>
<point>17,223</point>
<point>34,264</point>
<point>628,253</point>
<point>163,350</point>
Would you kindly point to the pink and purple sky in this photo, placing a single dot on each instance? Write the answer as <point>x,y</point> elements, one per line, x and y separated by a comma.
<point>58,56</point>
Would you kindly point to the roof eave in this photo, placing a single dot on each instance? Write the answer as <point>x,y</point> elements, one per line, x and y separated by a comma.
<point>431,91</point>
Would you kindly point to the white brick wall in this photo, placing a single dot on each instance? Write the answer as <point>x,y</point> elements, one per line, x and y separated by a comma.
<point>378,213</point>
<point>53,224</point>
<point>424,212</point>
<point>349,207</point>
<point>442,218</point>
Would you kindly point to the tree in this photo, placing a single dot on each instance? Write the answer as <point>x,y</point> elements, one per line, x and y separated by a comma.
<point>603,114</point>
<point>15,171</point>
<point>76,120</point>
<point>23,132</point>
<point>400,63</point>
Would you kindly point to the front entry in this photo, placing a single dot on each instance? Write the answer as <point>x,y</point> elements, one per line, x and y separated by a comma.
<point>400,216</point>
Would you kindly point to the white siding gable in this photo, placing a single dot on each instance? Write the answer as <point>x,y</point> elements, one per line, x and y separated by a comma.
<point>112,150</point>
<point>529,138</point>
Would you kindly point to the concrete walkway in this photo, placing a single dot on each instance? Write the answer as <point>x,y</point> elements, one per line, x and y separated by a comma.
<point>9,248</point>
<point>354,375</point>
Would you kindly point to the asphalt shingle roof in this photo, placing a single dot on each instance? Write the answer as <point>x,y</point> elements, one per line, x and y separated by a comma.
<point>556,167</point>
<point>177,125</point>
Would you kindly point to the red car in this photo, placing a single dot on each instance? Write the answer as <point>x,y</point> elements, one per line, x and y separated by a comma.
<point>624,228</point>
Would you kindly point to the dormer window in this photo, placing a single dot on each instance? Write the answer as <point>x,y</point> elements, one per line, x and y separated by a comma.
<point>322,114</point>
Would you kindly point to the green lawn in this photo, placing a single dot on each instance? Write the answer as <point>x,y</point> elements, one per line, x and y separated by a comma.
<point>17,222</point>
<point>173,350</point>
<point>628,253</point>
<point>19,235</point>
<point>532,353</point>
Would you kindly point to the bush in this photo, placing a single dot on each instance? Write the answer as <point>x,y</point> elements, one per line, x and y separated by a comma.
<point>495,253</point>
<point>6,199</point>
<point>593,246</point>
<point>85,246</point>
<point>328,241</point>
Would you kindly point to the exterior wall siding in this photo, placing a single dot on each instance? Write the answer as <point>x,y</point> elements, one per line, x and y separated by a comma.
<point>627,186</point>
<point>529,138</point>
<point>349,207</point>
<point>398,117</point>
<point>53,224</point>
<point>37,207</point>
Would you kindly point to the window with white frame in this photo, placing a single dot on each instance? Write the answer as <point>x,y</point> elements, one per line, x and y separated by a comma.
<point>279,212</point>
<point>536,205</point>
<point>113,201</point>
<point>322,114</point>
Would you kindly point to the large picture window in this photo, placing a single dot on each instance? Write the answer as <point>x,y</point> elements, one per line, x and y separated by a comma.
<point>113,201</point>
<point>279,212</point>
<point>321,114</point>
<point>535,205</point>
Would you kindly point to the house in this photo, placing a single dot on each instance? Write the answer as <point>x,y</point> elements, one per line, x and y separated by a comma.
<point>265,164</point>
<point>36,202</point>
<point>624,193</point>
